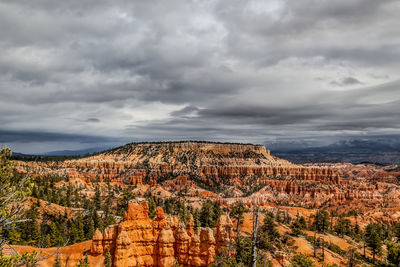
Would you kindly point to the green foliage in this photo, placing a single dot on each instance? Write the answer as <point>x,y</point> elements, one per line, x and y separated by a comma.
<point>243,251</point>
<point>373,234</point>
<point>268,233</point>
<point>301,260</point>
<point>57,263</point>
<point>224,259</point>
<point>393,254</point>
<point>296,228</point>
<point>152,207</point>
<point>14,236</point>
<point>209,214</point>
<point>84,262</point>
<point>298,225</point>
<point>108,258</point>
<point>26,259</point>
<point>342,227</point>
<point>97,198</point>
<point>14,188</point>
<point>321,221</point>
<point>237,212</point>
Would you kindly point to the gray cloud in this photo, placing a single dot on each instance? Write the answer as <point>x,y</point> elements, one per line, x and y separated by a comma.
<point>243,70</point>
<point>346,81</point>
<point>33,136</point>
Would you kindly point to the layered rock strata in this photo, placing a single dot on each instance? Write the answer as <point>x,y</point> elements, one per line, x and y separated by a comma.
<point>140,241</point>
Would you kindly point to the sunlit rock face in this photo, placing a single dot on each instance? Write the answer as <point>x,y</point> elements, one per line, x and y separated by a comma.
<point>141,241</point>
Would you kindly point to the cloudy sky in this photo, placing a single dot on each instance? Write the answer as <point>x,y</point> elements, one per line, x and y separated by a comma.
<point>86,73</point>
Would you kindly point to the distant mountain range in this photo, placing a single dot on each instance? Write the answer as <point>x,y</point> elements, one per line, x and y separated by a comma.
<point>381,151</point>
<point>353,151</point>
<point>65,153</point>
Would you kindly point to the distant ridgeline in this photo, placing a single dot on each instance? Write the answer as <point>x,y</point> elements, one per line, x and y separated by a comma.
<point>355,151</point>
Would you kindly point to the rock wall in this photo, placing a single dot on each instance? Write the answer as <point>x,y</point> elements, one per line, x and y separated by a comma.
<point>140,241</point>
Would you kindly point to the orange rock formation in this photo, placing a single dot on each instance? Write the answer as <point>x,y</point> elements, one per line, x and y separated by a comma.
<point>140,241</point>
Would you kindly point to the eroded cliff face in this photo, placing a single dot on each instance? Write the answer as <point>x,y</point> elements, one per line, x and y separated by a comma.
<point>140,241</point>
<point>233,172</point>
<point>206,164</point>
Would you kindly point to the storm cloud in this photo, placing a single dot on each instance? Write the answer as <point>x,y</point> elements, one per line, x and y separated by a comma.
<point>87,72</point>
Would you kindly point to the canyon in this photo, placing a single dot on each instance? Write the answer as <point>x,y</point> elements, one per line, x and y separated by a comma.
<point>222,173</point>
<point>231,172</point>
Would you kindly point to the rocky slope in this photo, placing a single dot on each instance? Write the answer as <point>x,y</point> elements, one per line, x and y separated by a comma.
<point>236,172</point>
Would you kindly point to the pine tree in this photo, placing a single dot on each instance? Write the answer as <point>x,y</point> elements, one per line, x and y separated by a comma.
<point>36,235</point>
<point>373,233</point>
<point>393,254</point>
<point>321,221</point>
<point>14,236</point>
<point>47,241</point>
<point>57,263</point>
<point>80,227</point>
<point>84,262</point>
<point>152,207</point>
<point>55,235</point>
<point>68,196</point>
<point>97,198</point>
<point>90,228</point>
<point>108,258</point>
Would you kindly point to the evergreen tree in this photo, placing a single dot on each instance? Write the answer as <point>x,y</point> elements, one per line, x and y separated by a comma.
<point>268,233</point>
<point>152,207</point>
<point>209,214</point>
<point>80,227</point>
<point>196,218</point>
<point>55,235</point>
<point>68,196</point>
<point>108,258</point>
<point>321,221</point>
<point>393,254</point>
<point>97,198</point>
<point>243,251</point>
<point>373,233</point>
<point>302,222</point>
<point>57,263</point>
<point>301,260</point>
<point>36,235</point>
<point>342,227</point>
<point>89,228</point>
<point>237,212</point>
<point>14,188</point>
<point>14,236</point>
<point>98,222</point>
<point>296,228</point>
<point>84,262</point>
<point>47,241</point>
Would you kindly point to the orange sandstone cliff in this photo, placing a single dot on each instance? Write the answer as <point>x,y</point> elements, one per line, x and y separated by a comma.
<point>140,241</point>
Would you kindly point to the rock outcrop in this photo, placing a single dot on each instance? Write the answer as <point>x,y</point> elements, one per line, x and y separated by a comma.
<point>141,241</point>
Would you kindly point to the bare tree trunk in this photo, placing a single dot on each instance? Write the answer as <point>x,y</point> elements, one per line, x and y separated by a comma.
<point>323,249</point>
<point>315,245</point>
<point>364,248</point>
<point>237,229</point>
<point>254,237</point>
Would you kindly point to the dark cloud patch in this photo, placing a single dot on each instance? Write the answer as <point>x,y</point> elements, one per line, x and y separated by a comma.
<point>93,120</point>
<point>346,81</point>
<point>175,69</point>
<point>265,115</point>
<point>8,136</point>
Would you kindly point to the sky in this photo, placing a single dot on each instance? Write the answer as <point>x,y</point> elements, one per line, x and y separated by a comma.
<point>92,73</point>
